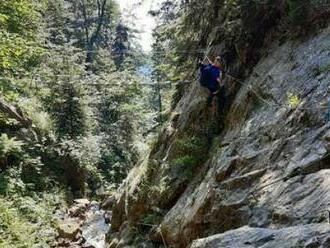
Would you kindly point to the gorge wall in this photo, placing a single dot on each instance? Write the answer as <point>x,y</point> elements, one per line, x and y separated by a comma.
<point>263,180</point>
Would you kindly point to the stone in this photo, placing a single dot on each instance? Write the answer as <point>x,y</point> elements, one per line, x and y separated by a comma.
<point>146,245</point>
<point>244,180</point>
<point>108,203</point>
<point>94,229</point>
<point>313,242</point>
<point>63,242</point>
<point>326,242</point>
<point>79,208</point>
<point>114,242</point>
<point>68,228</point>
<point>247,237</point>
<point>107,217</point>
<point>82,201</point>
<point>225,170</point>
<point>326,137</point>
<point>77,211</point>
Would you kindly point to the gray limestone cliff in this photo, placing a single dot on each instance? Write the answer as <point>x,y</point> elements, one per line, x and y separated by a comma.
<point>262,181</point>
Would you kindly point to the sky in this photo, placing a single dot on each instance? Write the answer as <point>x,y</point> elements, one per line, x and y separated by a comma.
<point>144,22</point>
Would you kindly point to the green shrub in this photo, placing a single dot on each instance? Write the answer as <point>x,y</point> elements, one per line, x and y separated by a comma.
<point>298,11</point>
<point>187,163</point>
<point>40,118</point>
<point>14,231</point>
<point>152,219</point>
<point>191,145</point>
<point>18,218</point>
<point>293,100</point>
<point>187,160</point>
<point>189,153</point>
<point>9,146</point>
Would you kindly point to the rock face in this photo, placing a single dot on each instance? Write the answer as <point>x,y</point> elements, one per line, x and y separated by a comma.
<point>314,235</point>
<point>269,169</point>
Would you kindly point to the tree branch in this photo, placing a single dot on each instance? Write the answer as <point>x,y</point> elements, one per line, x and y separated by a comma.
<point>84,12</point>
<point>92,40</point>
<point>14,113</point>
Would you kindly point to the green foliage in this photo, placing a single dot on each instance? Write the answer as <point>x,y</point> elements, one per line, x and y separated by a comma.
<point>190,152</point>
<point>19,21</point>
<point>186,161</point>
<point>293,100</point>
<point>85,153</point>
<point>69,112</point>
<point>19,16</point>
<point>15,231</point>
<point>152,219</point>
<point>190,145</point>
<point>26,210</point>
<point>16,54</point>
<point>85,116</point>
<point>10,146</point>
<point>24,177</point>
<point>41,119</point>
<point>298,11</point>
<point>161,188</point>
<point>18,218</point>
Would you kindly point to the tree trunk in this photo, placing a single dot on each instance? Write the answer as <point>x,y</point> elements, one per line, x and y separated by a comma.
<point>14,113</point>
<point>160,104</point>
<point>92,40</point>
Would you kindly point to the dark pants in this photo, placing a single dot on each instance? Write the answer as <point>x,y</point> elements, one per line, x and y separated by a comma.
<point>221,99</point>
<point>212,94</point>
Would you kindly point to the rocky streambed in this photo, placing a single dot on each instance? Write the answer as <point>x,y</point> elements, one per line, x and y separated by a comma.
<point>84,225</point>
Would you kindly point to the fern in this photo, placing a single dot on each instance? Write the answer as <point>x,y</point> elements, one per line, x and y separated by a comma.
<point>10,146</point>
<point>293,100</point>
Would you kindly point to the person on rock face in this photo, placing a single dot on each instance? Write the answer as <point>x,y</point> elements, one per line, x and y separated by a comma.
<point>212,79</point>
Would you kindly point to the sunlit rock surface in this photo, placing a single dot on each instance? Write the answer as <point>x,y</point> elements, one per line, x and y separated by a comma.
<point>314,235</point>
<point>95,227</point>
<point>269,169</point>
<point>83,225</point>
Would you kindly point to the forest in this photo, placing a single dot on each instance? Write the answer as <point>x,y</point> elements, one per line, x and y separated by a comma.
<point>90,120</point>
<point>73,107</point>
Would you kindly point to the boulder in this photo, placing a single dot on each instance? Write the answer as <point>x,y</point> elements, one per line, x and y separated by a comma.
<point>69,228</point>
<point>79,208</point>
<point>314,235</point>
<point>108,203</point>
<point>82,201</point>
<point>107,216</point>
<point>77,211</point>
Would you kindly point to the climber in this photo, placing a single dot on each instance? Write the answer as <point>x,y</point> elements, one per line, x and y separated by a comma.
<point>211,77</point>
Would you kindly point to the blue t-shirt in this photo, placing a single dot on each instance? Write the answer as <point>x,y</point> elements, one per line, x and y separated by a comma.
<point>215,74</point>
